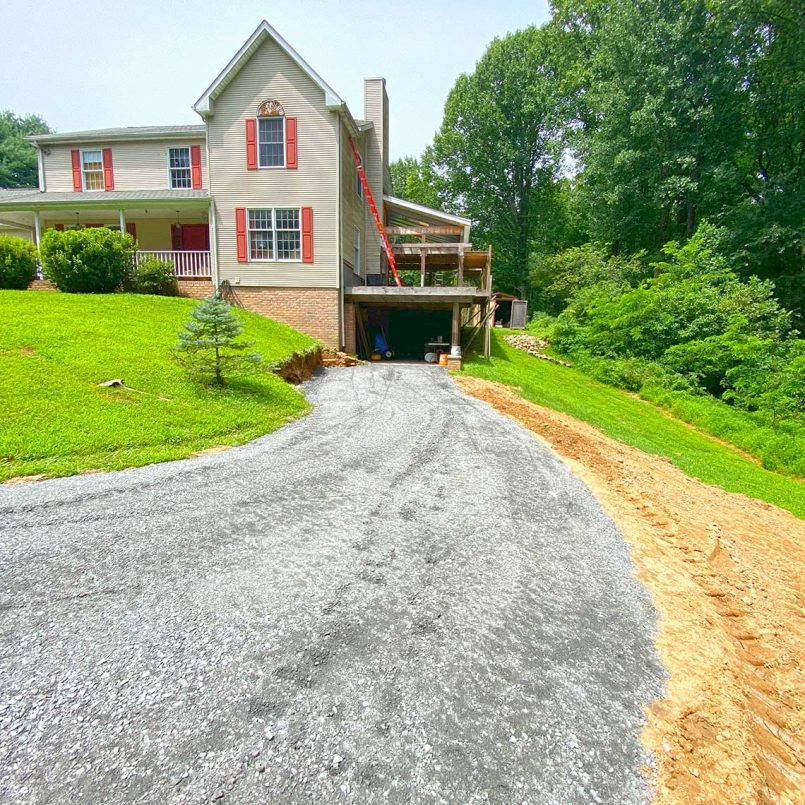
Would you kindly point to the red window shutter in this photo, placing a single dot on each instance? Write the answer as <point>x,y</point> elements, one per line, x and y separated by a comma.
<point>307,234</point>
<point>108,173</point>
<point>132,230</point>
<point>59,227</point>
<point>251,143</point>
<point>291,151</point>
<point>76,157</point>
<point>195,166</point>
<point>240,228</point>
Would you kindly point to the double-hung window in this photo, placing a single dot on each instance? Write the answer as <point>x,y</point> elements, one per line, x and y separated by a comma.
<point>179,169</point>
<point>275,234</point>
<point>92,170</point>
<point>271,142</point>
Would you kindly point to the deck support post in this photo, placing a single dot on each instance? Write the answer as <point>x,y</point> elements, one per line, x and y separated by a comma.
<point>455,334</point>
<point>422,265</point>
<point>460,279</point>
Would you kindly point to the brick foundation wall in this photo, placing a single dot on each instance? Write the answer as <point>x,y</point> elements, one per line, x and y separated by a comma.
<point>314,311</point>
<point>350,343</point>
<point>195,289</point>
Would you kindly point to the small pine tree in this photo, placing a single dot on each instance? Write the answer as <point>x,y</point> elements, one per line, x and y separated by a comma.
<point>209,346</point>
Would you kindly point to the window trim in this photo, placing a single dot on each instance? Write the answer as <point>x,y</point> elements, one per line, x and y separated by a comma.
<point>274,244</point>
<point>84,187</point>
<point>189,166</point>
<point>284,143</point>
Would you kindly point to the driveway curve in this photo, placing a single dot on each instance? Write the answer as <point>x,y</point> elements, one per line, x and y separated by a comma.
<point>402,597</point>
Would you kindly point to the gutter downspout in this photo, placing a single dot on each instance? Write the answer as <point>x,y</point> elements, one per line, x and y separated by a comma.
<point>339,237</point>
<point>40,163</point>
<point>211,216</point>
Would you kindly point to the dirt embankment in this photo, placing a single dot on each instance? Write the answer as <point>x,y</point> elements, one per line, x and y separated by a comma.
<point>727,574</point>
<point>300,366</point>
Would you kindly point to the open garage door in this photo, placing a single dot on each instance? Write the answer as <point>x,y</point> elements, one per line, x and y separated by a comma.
<point>408,333</point>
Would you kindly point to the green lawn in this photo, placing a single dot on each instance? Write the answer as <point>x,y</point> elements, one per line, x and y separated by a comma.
<point>56,348</point>
<point>636,423</point>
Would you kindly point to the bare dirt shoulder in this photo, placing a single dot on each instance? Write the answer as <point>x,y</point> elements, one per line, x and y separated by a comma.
<point>727,574</point>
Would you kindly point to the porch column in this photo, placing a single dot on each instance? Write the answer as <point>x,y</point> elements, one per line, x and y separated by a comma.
<point>455,335</point>
<point>122,222</point>
<point>37,227</point>
<point>216,281</point>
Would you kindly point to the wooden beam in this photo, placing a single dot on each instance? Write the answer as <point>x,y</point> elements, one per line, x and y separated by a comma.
<point>460,280</point>
<point>424,230</point>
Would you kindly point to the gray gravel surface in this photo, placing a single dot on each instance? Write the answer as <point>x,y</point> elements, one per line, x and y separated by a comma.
<point>402,597</point>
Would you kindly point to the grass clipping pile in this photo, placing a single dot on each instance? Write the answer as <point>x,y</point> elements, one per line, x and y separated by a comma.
<point>727,574</point>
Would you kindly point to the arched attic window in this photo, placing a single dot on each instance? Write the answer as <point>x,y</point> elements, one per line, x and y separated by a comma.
<point>271,135</point>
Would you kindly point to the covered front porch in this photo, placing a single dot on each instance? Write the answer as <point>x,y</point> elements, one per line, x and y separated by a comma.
<point>170,225</point>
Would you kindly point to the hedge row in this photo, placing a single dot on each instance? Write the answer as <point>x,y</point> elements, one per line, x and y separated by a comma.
<point>96,260</point>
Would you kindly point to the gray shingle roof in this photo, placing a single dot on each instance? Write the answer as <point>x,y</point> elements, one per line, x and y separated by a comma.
<point>31,199</point>
<point>7,193</point>
<point>125,133</point>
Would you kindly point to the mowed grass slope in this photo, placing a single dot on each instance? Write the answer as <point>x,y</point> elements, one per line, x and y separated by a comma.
<point>636,423</point>
<point>56,420</point>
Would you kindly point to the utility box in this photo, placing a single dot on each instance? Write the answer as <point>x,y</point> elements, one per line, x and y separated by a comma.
<point>519,315</point>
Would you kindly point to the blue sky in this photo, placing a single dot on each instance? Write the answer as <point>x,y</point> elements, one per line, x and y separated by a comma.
<point>94,64</point>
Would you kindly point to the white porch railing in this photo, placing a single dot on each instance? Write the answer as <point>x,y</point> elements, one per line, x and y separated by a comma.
<point>190,264</point>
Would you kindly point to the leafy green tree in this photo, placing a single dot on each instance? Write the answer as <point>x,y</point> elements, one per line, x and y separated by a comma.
<point>692,110</point>
<point>415,180</point>
<point>500,148</point>
<point>18,166</point>
<point>771,378</point>
<point>210,346</point>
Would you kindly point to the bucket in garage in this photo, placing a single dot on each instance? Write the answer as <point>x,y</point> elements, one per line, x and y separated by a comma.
<point>443,359</point>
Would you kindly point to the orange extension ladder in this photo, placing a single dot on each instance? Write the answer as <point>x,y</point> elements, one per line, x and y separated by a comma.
<point>373,207</point>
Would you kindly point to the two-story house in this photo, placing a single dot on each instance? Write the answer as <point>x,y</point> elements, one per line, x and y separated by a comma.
<point>264,197</point>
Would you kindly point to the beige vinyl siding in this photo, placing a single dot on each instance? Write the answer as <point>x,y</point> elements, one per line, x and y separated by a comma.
<point>25,234</point>
<point>271,75</point>
<point>139,165</point>
<point>352,206</point>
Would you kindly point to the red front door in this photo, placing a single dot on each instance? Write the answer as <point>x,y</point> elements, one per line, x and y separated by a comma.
<point>191,237</point>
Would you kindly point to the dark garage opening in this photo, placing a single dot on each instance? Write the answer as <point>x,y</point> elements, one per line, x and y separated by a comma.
<point>407,331</point>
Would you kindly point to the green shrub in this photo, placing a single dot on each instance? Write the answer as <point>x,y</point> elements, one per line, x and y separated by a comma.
<point>17,262</point>
<point>154,276</point>
<point>95,260</point>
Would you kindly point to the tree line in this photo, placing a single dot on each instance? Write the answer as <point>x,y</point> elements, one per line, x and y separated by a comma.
<point>626,124</point>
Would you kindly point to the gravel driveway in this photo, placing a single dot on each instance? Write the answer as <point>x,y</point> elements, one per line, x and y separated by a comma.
<point>401,597</point>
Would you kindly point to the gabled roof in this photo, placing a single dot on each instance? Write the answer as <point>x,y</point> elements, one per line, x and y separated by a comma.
<point>124,133</point>
<point>263,31</point>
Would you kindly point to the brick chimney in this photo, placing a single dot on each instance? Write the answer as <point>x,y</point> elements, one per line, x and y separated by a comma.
<point>376,157</point>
